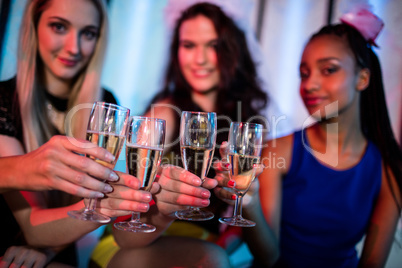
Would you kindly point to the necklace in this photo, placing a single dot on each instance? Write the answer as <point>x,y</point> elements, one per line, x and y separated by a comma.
<point>56,117</point>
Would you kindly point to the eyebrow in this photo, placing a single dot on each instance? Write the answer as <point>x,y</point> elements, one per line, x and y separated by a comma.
<point>68,22</point>
<point>190,41</point>
<point>328,59</point>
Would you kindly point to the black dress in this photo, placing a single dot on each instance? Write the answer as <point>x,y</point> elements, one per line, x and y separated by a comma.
<point>10,125</point>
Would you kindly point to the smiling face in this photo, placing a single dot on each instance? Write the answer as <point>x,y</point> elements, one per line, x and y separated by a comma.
<point>67,34</point>
<point>329,75</point>
<point>197,54</point>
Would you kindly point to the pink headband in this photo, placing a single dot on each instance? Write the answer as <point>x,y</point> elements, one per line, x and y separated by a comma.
<point>368,24</point>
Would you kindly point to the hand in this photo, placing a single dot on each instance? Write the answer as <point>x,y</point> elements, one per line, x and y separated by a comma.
<point>23,256</point>
<point>126,197</point>
<point>58,165</point>
<point>223,177</point>
<point>225,184</point>
<point>180,189</point>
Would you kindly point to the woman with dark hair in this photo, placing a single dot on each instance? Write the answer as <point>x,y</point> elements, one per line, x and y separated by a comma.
<point>210,69</point>
<point>234,70</point>
<point>342,178</point>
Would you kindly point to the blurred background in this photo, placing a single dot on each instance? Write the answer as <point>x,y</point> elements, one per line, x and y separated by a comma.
<point>140,38</point>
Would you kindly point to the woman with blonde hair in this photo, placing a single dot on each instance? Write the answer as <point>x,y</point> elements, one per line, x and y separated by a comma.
<point>62,46</point>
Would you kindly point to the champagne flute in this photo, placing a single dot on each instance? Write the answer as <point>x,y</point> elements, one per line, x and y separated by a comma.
<point>107,127</point>
<point>144,147</point>
<point>197,144</point>
<point>245,144</point>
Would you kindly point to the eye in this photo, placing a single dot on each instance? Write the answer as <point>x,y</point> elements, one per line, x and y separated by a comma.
<point>330,70</point>
<point>187,45</point>
<point>213,44</point>
<point>58,27</point>
<point>304,73</point>
<point>90,34</point>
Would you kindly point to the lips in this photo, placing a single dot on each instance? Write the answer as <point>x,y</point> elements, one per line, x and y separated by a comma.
<point>68,62</point>
<point>313,101</point>
<point>202,73</point>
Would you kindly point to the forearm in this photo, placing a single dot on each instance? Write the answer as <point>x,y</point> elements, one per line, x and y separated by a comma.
<point>10,175</point>
<point>137,240</point>
<point>260,239</point>
<point>53,227</point>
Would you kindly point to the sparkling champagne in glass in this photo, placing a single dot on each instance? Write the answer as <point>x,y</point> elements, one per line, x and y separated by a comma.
<point>197,144</point>
<point>107,129</point>
<point>245,143</point>
<point>144,147</point>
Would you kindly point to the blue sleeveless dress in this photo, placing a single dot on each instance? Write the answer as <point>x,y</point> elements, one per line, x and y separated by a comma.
<point>325,212</point>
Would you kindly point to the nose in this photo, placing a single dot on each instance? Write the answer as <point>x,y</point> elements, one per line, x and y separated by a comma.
<point>200,55</point>
<point>311,83</point>
<point>72,44</point>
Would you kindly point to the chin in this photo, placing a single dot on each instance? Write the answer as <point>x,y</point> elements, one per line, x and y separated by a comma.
<point>205,90</point>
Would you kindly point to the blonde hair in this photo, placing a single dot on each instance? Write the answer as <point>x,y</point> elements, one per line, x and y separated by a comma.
<point>36,125</point>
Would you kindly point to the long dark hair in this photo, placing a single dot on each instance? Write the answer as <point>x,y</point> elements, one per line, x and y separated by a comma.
<point>374,117</point>
<point>238,75</point>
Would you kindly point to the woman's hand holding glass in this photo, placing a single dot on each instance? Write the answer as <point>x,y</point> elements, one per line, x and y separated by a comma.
<point>62,165</point>
<point>107,127</point>
<point>245,144</point>
<point>197,145</point>
<point>224,189</point>
<point>144,148</point>
<point>126,197</point>
<point>180,189</point>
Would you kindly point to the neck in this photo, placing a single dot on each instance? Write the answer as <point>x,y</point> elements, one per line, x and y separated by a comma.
<point>205,101</point>
<point>57,87</point>
<point>343,131</point>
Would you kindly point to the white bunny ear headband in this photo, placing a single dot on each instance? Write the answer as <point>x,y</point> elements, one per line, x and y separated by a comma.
<point>363,19</point>
<point>239,10</point>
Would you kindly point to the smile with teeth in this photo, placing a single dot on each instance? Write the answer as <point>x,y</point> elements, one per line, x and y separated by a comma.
<point>202,73</point>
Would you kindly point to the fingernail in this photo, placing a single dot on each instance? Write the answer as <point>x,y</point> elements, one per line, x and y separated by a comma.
<point>147,197</point>
<point>108,188</point>
<point>143,207</point>
<point>205,202</point>
<point>110,157</point>
<point>231,183</point>
<point>226,165</point>
<point>197,181</point>
<point>205,194</point>
<point>113,177</point>
<point>99,195</point>
<point>233,197</point>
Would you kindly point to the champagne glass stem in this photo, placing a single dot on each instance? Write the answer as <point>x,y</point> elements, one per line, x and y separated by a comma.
<point>91,205</point>
<point>237,212</point>
<point>135,217</point>
<point>195,209</point>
